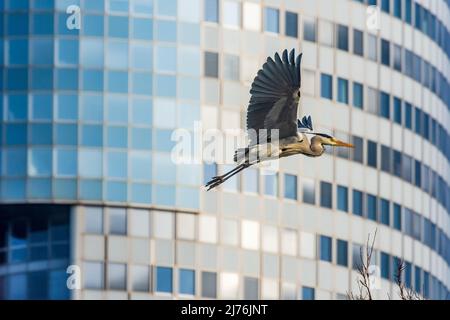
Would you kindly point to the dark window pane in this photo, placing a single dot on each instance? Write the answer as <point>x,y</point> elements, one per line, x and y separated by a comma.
<point>386,159</point>
<point>371,207</point>
<point>308,191</point>
<point>309,29</point>
<point>397,111</point>
<point>371,153</point>
<point>397,217</point>
<point>385,107</point>
<point>211,64</point>
<point>384,211</point>
<point>358,149</point>
<point>342,198</point>
<point>358,43</point>
<point>291,24</point>
<point>342,41</point>
<point>308,293</point>
<point>358,95</point>
<point>342,252</point>
<point>18,234</point>
<point>385,265</point>
<point>326,88</point>
<point>385,53</point>
<point>357,203</point>
<point>408,115</point>
<point>342,90</point>
<point>325,248</point>
<point>209,285</point>
<point>326,197</point>
<point>39,230</point>
<point>251,288</point>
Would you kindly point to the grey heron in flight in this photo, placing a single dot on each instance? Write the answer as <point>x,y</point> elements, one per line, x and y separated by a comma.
<point>275,95</point>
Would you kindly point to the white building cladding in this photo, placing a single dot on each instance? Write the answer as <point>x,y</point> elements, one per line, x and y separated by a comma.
<point>143,228</point>
<point>297,234</point>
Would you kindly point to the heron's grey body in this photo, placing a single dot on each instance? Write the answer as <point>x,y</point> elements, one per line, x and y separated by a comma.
<point>275,95</point>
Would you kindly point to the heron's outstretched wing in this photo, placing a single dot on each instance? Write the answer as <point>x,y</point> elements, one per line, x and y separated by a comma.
<point>274,101</point>
<point>305,125</point>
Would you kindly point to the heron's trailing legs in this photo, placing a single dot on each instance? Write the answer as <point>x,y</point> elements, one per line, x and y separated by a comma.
<point>216,181</point>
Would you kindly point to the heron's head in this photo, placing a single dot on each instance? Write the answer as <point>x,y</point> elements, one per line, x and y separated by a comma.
<point>326,139</point>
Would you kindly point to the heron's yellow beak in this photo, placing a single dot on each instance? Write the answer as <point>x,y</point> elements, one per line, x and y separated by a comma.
<point>339,143</point>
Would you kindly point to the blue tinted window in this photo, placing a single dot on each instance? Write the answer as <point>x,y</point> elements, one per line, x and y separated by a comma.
<point>358,42</point>
<point>42,107</point>
<point>92,135</point>
<point>118,81</point>
<point>68,52</point>
<point>93,80</point>
<point>342,90</point>
<point>384,265</point>
<point>167,7</point>
<point>189,33</point>
<point>212,10</point>
<point>141,193</point>
<point>385,107</point>
<point>408,115</point>
<point>271,185</point>
<point>385,52</point>
<point>371,207</point>
<point>141,138</point>
<point>93,25</point>
<point>308,293</point>
<point>342,198</point>
<point>40,162</point>
<point>326,88</point>
<point>67,79</point>
<point>17,107</point>
<point>291,24</point>
<point>141,111</point>
<point>165,86</point>
<point>398,8</point>
<point>358,96</point>
<point>371,154</point>
<point>117,137</point>
<point>117,55</point>
<point>118,26</point>
<point>325,248</point>
<point>142,83</point>
<point>66,134</point>
<point>142,29</point>
<point>342,252</point>
<point>92,108</point>
<point>342,37</point>
<point>117,109</point>
<point>17,24</point>
<point>166,30</point>
<point>15,162</point>
<point>41,51</point>
<point>141,56</point>
<point>92,53</point>
<point>385,212</point>
<point>187,281</point>
<point>140,165</point>
<point>385,5</point>
<point>357,203</point>
<point>66,162</point>
<point>326,197</point>
<point>90,165</point>
<point>408,11</point>
<point>67,108</point>
<point>166,58</point>
<point>271,20</point>
<point>17,79</point>
<point>41,134</point>
<point>18,51</point>
<point>250,183</point>
<point>43,23</point>
<point>209,171</point>
<point>42,78</point>
<point>163,279</point>
<point>163,141</point>
<point>117,164</point>
<point>116,191</point>
<point>16,134</point>
<point>290,186</point>
<point>397,111</point>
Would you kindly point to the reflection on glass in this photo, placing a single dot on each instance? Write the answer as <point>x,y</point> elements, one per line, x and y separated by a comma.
<point>187,281</point>
<point>140,278</point>
<point>117,221</point>
<point>250,234</point>
<point>229,285</point>
<point>209,284</point>
<point>117,275</point>
<point>270,239</point>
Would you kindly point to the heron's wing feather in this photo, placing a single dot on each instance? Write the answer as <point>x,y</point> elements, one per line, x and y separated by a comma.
<point>272,103</point>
